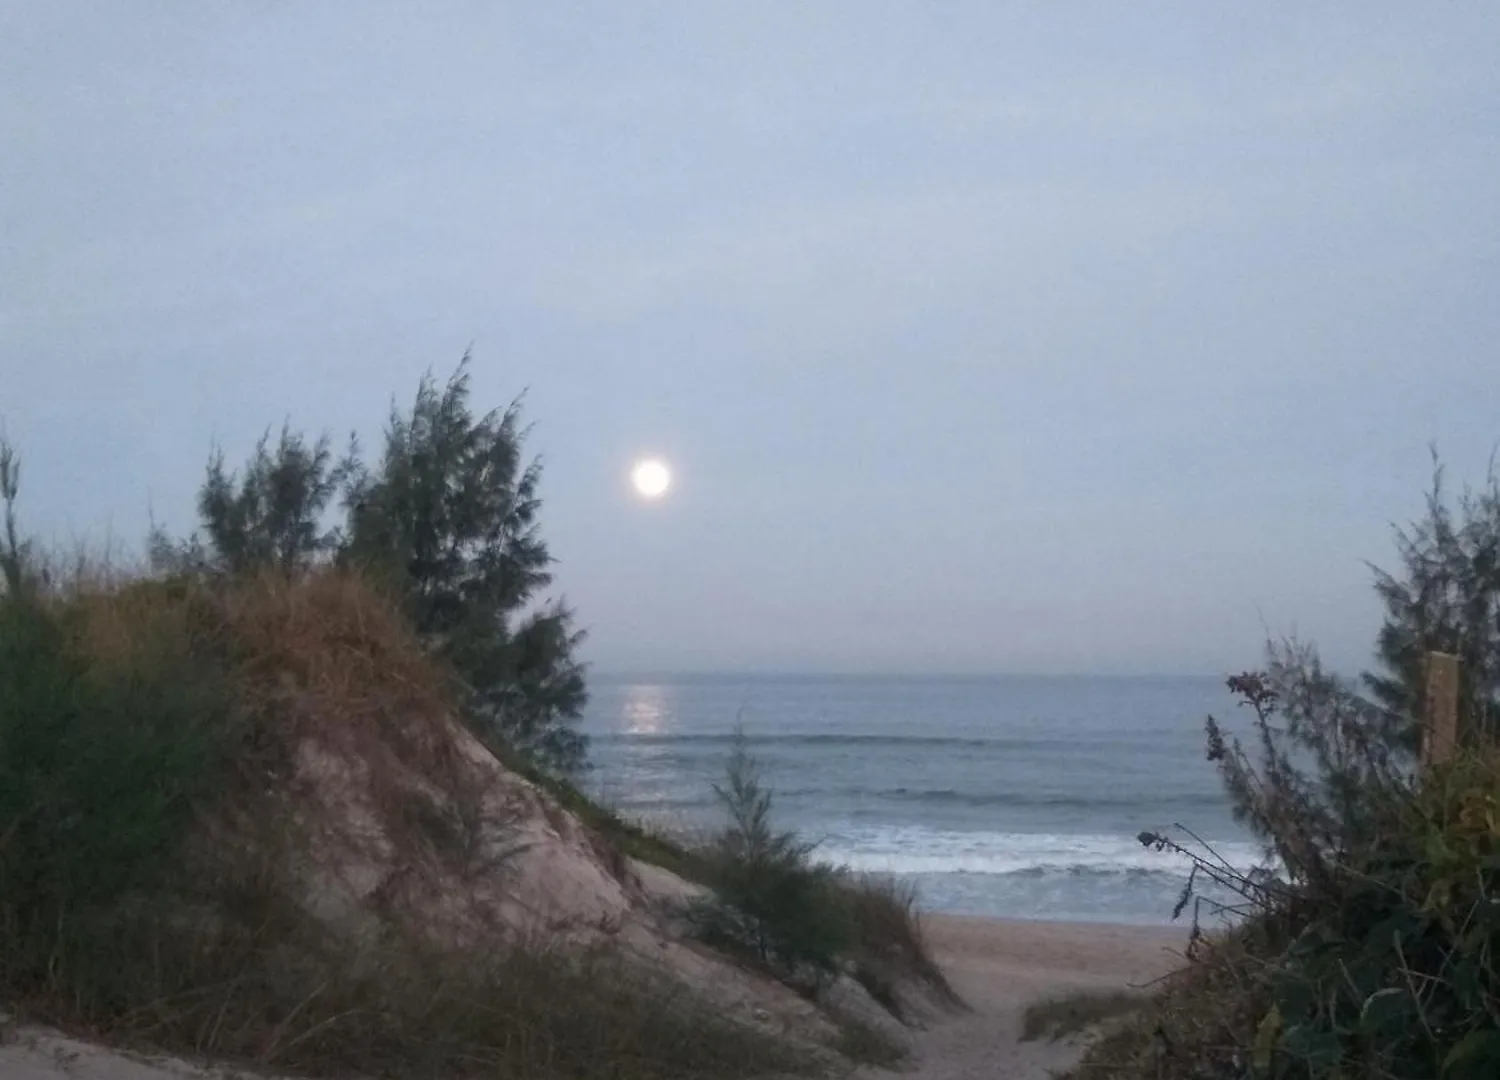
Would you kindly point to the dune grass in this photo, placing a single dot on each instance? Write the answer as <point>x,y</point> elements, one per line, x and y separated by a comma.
<point>1071,1014</point>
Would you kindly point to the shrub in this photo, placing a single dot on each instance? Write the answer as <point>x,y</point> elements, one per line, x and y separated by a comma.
<point>1395,974</point>
<point>803,921</point>
<point>110,744</point>
<point>773,903</point>
<point>1384,968</point>
<point>1372,952</point>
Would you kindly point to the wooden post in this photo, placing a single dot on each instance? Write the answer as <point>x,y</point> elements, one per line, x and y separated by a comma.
<point>1440,714</point>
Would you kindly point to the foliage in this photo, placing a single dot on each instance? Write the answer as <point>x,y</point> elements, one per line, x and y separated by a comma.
<point>447,521</point>
<point>269,515</point>
<point>1327,773</point>
<point>449,518</point>
<point>1372,952</point>
<point>114,732</point>
<point>14,556</point>
<point>1446,599</point>
<point>1398,977</point>
<point>1384,968</point>
<point>888,953</point>
<point>773,903</point>
<point>803,921</point>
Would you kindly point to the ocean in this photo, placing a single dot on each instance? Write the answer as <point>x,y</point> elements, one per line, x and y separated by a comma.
<point>1009,796</point>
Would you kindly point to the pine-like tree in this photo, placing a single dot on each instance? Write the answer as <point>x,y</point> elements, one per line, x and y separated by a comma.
<point>269,514</point>
<point>448,519</point>
<point>1444,598</point>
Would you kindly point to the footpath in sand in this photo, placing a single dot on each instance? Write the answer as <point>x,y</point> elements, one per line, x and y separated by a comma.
<point>1001,967</point>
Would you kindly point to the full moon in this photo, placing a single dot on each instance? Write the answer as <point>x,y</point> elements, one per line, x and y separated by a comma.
<point>651,478</point>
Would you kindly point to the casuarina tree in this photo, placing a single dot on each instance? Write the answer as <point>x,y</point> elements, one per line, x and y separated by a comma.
<point>445,520</point>
<point>448,518</point>
<point>1444,598</point>
<point>269,514</point>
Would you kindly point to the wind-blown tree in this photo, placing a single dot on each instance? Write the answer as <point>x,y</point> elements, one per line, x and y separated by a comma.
<point>448,520</point>
<point>270,514</point>
<point>1446,598</point>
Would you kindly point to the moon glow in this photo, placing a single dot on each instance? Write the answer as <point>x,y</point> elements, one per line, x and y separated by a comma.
<point>651,478</point>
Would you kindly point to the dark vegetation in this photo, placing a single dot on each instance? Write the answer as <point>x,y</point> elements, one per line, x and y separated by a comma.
<point>800,920</point>
<point>1372,953</point>
<point>444,523</point>
<point>148,722</point>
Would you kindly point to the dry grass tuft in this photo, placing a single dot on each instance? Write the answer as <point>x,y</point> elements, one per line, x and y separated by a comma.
<point>1060,1017</point>
<point>890,950</point>
<point>1201,1019</point>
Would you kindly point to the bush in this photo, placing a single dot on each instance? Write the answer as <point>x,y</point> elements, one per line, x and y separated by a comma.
<point>1394,975</point>
<point>773,904</point>
<point>1385,968</point>
<point>1371,952</point>
<point>113,734</point>
<point>803,921</point>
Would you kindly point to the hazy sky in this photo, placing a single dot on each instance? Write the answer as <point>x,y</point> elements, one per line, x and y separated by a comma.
<point>982,337</point>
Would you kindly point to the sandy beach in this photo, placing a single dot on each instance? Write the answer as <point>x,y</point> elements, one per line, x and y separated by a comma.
<point>999,966</point>
<point>1002,966</point>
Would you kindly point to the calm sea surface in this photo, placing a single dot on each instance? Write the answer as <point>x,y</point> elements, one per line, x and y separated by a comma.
<point>1012,796</point>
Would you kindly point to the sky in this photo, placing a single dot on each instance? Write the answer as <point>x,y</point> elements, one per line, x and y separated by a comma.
<point>985,337</point>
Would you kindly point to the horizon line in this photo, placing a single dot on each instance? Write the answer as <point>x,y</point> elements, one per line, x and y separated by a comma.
<point>835,673</point>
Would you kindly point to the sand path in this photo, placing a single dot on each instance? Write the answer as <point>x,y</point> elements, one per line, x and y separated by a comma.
<point>1001,967</point>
